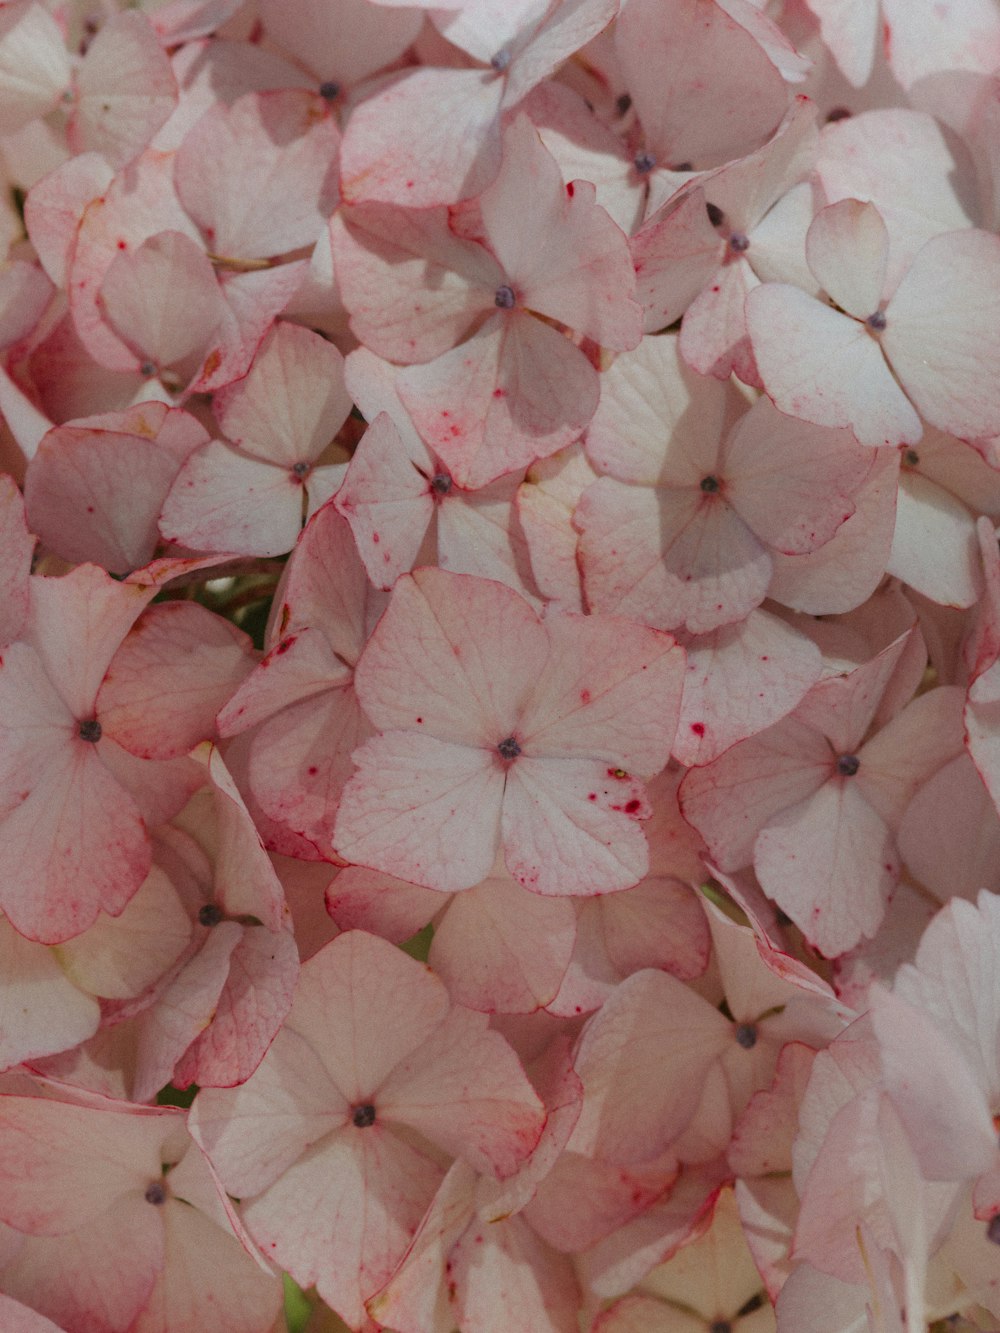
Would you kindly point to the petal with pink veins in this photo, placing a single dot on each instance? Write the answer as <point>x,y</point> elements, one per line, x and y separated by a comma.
<point>430,137</point>
<point>291,403</point>
<point>741,679</point>
<point>343,46</point>
<point>413,287</point>
<point>570,827</point>
<point>446,633</point>
<point>942,332</point>
<point>94,491</point>
<point>223,500</point>
<point>163,301</point>
<point>516,391</point>
<point>566,259</point>
<point>423,810</point>
<point>826,368</point>
<point>34,65</point>
<point>173,672</point>
<point>125,90</point>
<point>830,862</point>
<point>847,248</point>
<point>42,1011</point>
<point>286,142</point>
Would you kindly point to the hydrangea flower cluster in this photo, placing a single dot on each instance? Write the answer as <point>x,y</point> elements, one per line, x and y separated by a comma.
<point>499,666</point>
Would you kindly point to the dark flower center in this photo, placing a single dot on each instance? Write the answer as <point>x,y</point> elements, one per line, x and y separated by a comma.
<point>301,470</point>
<point>746,1036</point>
<point>90,730</point>
<point>709,484</point>
<point>739,242</point>
<point>501,60</point>
<point>363,1116</point>
<point>876,321</point>
<point>504,297</point>
<point>210,914</point>
<point>848,765</point>
<point>441,483</point>
<point>509,748</point>
<point>155,1193</point>
<point>720,1326</point>
<point>911,458</point>
<point>644,163</point>
<point>993,1229</point>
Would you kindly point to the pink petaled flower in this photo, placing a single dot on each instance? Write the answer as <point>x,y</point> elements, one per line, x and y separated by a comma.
<point>338,1142</point>
<point>498,728</point>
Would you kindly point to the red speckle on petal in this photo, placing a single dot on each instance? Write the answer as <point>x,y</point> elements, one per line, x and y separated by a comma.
<point>715,289</point>
<point>284,646</point>
<point>312,770</point>
<point>90,509</point>
<point>445,414</point>
<point>585,696</point>
<point>698,728</point>
<point>376,538</point>
<point>571,189</point>
<point>409,185</point>
<point>420,719</point>
<point>499,393</point>
<point>592,796</point>
<point>632,806</point>
<point>122,245</point>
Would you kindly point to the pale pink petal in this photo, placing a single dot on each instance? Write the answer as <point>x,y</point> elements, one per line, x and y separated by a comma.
<point>848,251</point>
<point>565,30</point>
<point>672,557</point>
<point>953,809</point>
<point>849,29</point>
<point>429,138</point>
<point>300,759</point>
<point>499,949</point>
<point>446,633</point>
<point>656,417</point>
<point>565,259</point>
<point>94,492</point>
<point>900,161</point>
<point>292,402</point>
<point>675,256</point>
<point>740,680</point>
<point>54,205</point>
<point>412,286</point>
<point>360,899</point>
<point>732,799</point>
<point>88,607</point>
<point>806,855</point>
<point>518,1279</point>
<point>19,1318</point>
<point>792,485</point>
<point>943,332</point>
<point>642,1059</point>
<point>263,969</point>
<point>464,1089</point>
<point>908,749</point>
<point>544,504</point>
<point>170,677</point>
<point>934,547</point>
<point>285,142</point>
<point>183,20</point>
<point>222,500</point>
<point>842,574</point>
<point>125,91</point>
<point>25,292</point>
<point>310,1222</point>
<point>254,299</point>
<point>686,115</point>
<point>253,1134</point>
<point>206,1271</point>
<point>34,65</point>
<point>516,391</point>
<point>713,337</point>
<point>73,840</point>
<point>570,827</point>
<point>961,34</point>
<point>945,1113</point>
<point>41,1010</point>
<point>162,300</point>
<point>825,367</point>
<point>342,46</point>
<point>386,496</point>
<point>611,689</point>
<point>423,810</point>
